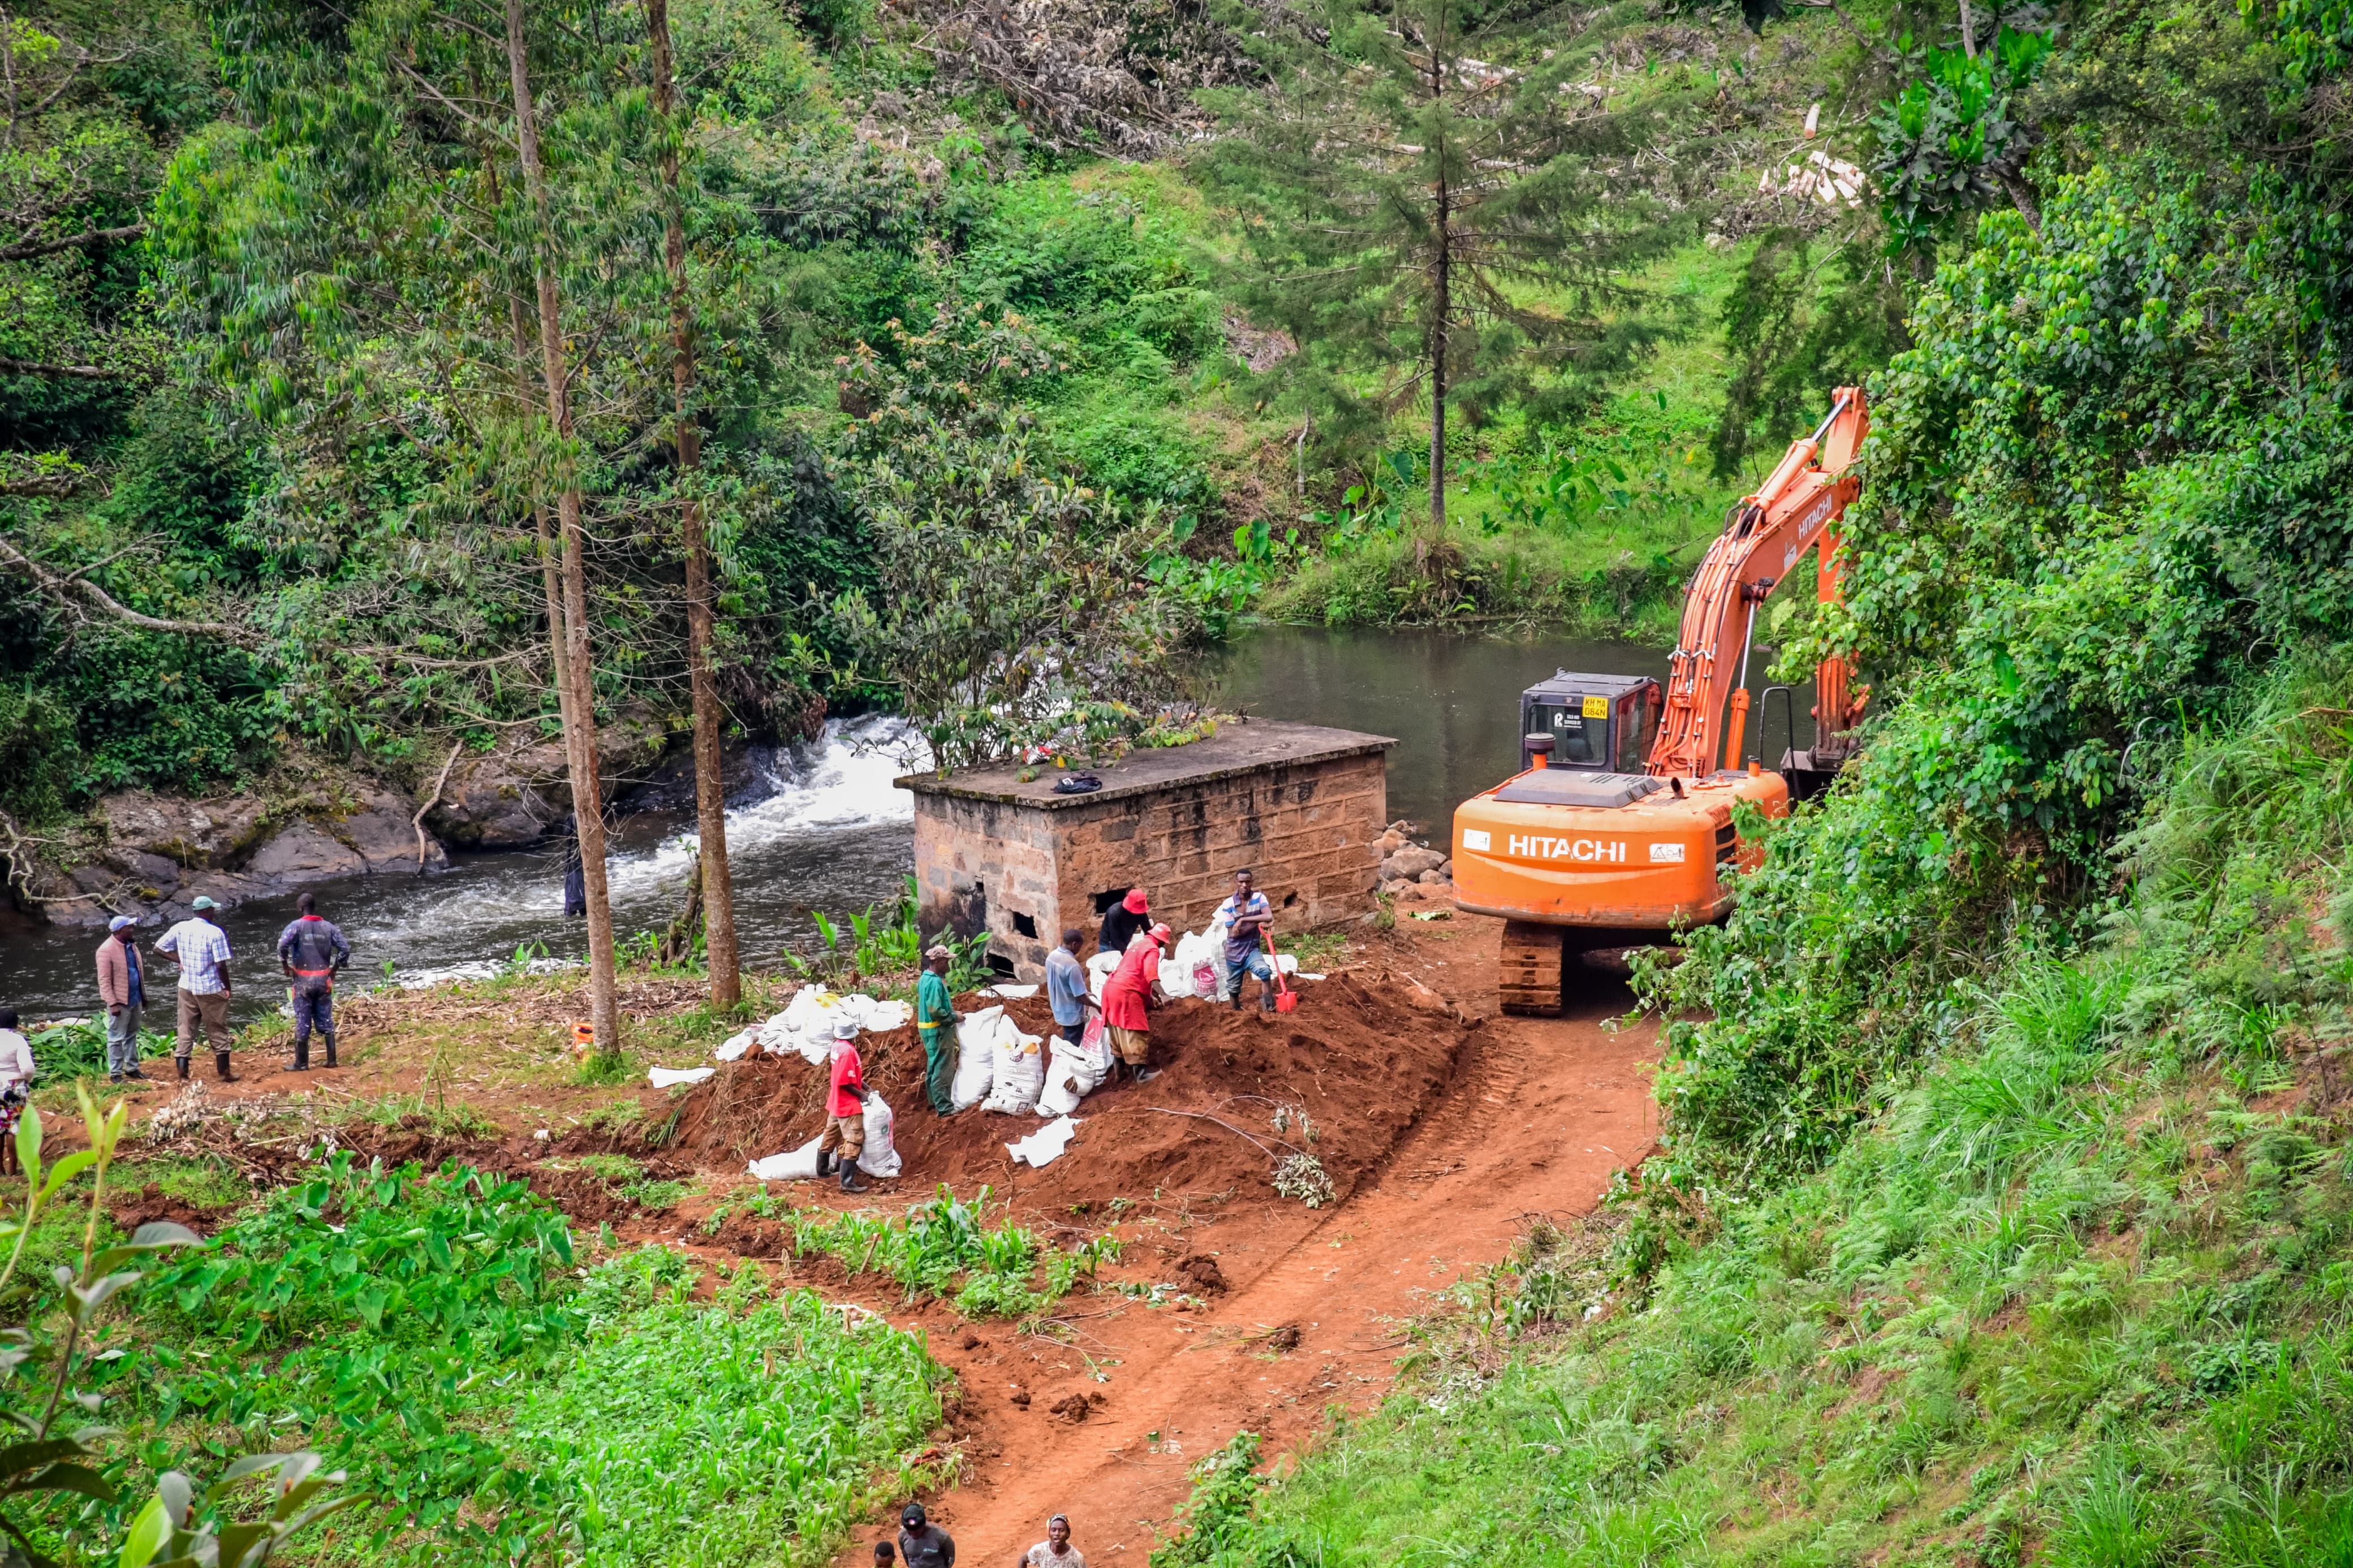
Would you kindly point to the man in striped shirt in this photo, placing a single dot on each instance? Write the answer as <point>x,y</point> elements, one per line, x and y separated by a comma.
<point>201,950</point>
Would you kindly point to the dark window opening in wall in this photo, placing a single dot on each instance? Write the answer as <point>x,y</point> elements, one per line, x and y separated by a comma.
<point>1288,900</point>
<point>1000,966</point>
<point>1104,901</point>
<point>1025,925</point>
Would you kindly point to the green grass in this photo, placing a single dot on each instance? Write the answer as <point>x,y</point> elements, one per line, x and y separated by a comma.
<point>2080,1293</point>
<point>501,1396</point>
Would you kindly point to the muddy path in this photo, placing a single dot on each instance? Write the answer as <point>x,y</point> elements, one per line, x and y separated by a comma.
<point>1536,1117</point>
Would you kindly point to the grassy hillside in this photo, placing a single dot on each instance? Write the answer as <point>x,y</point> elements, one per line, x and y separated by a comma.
<point>2080,1293</point>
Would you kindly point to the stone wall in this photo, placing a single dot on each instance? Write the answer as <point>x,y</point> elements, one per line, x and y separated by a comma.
<point>1309,830</point>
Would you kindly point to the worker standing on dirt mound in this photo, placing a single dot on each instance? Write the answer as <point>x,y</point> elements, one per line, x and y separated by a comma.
<point>936,1018</point>
<point>922,1543</point>
<point>1066,987</point>
<point>1125,921</point>
<point>845,1105</point>
<point>1055,1551</point>
<point>1247,918</point>
<point>1127,1006</point>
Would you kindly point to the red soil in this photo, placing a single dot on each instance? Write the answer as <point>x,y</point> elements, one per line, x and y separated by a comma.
<point>1363,1057</point>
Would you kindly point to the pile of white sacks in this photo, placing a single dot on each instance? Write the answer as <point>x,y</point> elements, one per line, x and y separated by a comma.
<point>805,1026</point>
<point>998,1066</point>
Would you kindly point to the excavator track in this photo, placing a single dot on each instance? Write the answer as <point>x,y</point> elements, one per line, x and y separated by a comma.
<point>1533,980</point>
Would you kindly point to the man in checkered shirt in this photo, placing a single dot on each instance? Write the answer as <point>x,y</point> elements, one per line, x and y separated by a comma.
<point>201,949</point>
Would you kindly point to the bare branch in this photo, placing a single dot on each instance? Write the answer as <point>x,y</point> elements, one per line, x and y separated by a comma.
<point>73,371</point>
<point>26,251</point>
<point>63,589</point>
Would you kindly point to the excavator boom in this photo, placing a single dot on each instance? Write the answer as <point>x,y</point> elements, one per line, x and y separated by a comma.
<point>1707,695</point>
<point>1580,852</point>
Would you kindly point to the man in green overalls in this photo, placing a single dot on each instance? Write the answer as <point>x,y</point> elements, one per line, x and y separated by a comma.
<point>936,1020</point>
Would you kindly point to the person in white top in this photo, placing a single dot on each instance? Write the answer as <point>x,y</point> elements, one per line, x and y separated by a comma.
<point>1055,1551</point>
<point>16,1080</point>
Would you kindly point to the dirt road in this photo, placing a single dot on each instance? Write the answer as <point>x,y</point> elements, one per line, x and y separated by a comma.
<point>1539,1116</point>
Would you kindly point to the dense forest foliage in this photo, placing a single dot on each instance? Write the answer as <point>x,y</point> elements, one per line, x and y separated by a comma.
<point>279,480</point>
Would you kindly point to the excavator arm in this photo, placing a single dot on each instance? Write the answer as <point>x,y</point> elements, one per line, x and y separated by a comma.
<point>1761,542</point>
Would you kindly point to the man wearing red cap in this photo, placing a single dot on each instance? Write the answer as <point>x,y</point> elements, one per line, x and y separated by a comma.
<point>1127,1002</point>
<point>1124,922</point>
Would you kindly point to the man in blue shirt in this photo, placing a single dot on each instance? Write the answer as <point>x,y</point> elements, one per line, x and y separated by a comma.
<point>1247,918</point>
<point>310,950</point>
<point>1066,986</point>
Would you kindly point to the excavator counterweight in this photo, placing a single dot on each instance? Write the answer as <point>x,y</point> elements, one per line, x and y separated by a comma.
<point>1613,832</point>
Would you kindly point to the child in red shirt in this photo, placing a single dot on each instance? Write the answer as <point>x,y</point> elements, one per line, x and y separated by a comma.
<point>845,1105</point>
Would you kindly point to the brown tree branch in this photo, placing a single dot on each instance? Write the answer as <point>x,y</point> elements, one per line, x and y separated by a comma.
<point>64,588</point>
<point>26,251</point>
<point>76,372</point>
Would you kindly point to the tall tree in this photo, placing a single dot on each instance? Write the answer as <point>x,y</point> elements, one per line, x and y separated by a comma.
<point>577,667</point>
<point>1407,203</point>
<point>709,787</point>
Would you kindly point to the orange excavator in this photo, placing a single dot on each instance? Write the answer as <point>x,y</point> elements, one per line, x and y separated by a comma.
<point>1613,834</point>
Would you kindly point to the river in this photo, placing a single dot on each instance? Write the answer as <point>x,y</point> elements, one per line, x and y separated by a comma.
<point>831,834</point>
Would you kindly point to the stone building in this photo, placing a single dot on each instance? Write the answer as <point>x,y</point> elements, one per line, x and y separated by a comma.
<point>1299,804</point>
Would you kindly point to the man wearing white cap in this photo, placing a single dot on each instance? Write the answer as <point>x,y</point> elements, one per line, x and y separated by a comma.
<point>845,1106</point>
<point>201,949</point>
<point>123,991</point>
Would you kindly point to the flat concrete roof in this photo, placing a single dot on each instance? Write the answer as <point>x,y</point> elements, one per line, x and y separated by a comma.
<point>1240,746</point>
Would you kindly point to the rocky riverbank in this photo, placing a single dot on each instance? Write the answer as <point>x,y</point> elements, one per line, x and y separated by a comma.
<point>150,855</point>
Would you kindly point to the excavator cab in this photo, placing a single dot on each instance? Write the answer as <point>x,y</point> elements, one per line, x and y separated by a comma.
<point>1601,723</point>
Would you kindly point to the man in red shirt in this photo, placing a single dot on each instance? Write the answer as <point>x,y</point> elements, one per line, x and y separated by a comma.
<point>845,1106</point>
<point>1126,1005</point>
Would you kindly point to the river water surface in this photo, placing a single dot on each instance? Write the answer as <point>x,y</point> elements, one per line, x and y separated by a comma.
<point>831,834</point>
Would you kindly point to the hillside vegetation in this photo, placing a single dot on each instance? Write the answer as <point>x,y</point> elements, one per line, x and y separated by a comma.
<point>2003,1211</point>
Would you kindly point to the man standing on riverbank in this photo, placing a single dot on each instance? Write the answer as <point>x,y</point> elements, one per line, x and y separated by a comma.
<point>123,991</point>
<point>311,950</point>
<point>201,950</point>
<point>935,1022</point>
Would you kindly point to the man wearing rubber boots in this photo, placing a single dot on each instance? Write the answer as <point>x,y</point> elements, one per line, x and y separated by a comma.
<point>311,950</point>
<point>844,1137</point>
<point>935,1021</point>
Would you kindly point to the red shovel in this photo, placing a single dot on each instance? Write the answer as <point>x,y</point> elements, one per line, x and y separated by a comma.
<point>1286,1000</point>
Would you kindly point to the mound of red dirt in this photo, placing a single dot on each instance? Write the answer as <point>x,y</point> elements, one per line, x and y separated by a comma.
<point>1361,1059</point>
<point>150,1203</point>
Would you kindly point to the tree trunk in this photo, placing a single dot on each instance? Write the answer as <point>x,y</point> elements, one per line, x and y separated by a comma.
<point>710,787</point>
<point>1440,304</point>
<point>579,670</point>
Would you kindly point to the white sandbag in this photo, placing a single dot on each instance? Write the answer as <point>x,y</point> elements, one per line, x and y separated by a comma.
<point>1094,1048</point>
<point>816,1049</point>
<point>854,1006</point>
<point>1090,1068</point>
<point>796,1014</point>
<point>794,1165</point>
<point>975,1071</point>
<point>1099,969</point>
<point>1062,1093</point>
<point>1013,992</point>
<point>1176,974</point>
<point>663,1078</point>
<point>880,1155</point>
<point>1046,1146</point>
<point>736,1047</point>
<point>1285,964</point>
<point>886,1015</point>
<point>1020,1075</point>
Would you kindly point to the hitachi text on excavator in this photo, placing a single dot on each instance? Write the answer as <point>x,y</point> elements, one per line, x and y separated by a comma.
<point>1613,834</point>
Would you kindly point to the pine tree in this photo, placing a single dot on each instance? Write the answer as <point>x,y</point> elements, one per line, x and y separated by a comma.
<point>1407,203</point>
